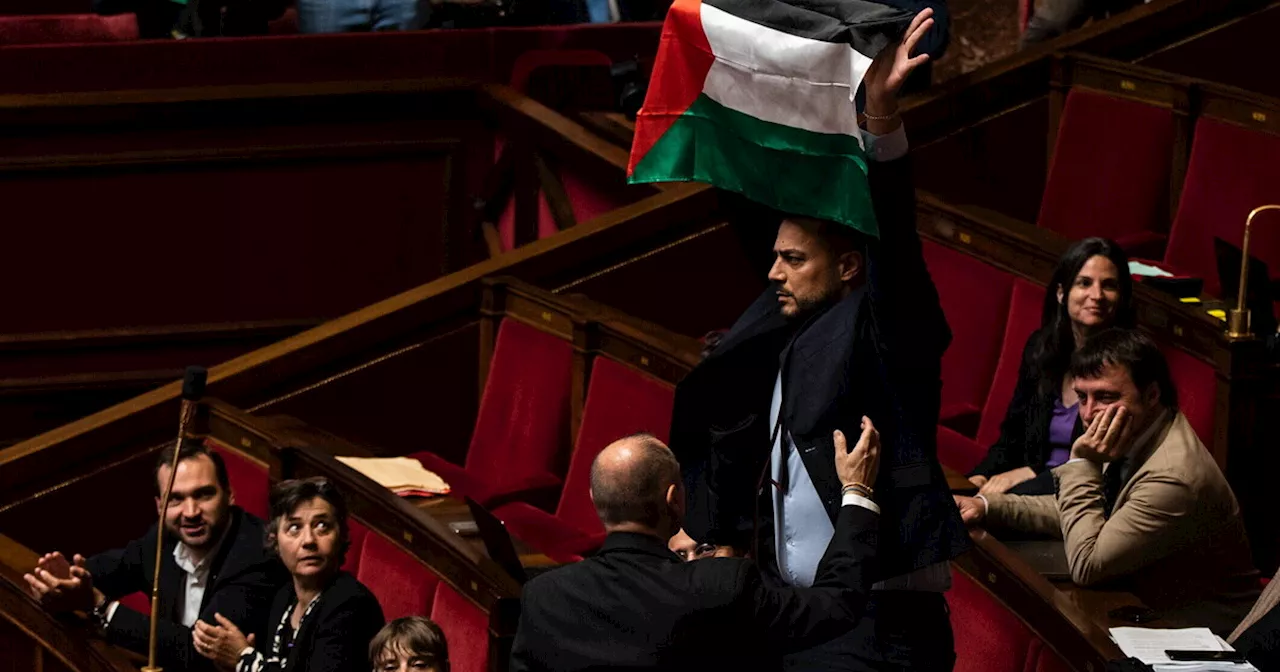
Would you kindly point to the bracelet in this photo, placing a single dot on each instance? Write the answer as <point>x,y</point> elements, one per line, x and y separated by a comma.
<point>857,489</point>
<point>872,117</point>
<point>861,486</point>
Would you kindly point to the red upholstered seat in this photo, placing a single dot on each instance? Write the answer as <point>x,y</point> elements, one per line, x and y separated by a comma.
<point>403,586</point>
<point>620,401</point>
<point>960,452</point>
<point>138,602</point>
<point>67,29</point>
<point>1046,659</point>
<point>1197,384</point>
<point>357,533</point>
<point>975,298</point>
<point>989,637</point>
<point>1232,171</point>
<point>466,629</point>
<point>250,481</point>
<point>1110,172</point>
<point>523,420</point>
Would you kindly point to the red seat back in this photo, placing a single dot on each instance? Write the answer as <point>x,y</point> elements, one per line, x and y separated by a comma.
<point>1232,171</point>
<point>975,298</point>
<point>620,401</point>
<point>989,637</point>
<point>524,412</point>
<point>67,29</point>
<point>403,586</point>
<point>1024,319</point>
<point>1197,384</point>
<point>466,629</point>
<point>250,481</point>
<point>1047,660</point>
<point>357,533</point>
<point>1111,166</point>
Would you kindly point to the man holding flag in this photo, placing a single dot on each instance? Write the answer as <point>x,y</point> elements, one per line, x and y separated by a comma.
<point>756,97</point>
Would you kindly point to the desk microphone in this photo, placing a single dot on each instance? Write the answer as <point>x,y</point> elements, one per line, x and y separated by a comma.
<point>192,390</point>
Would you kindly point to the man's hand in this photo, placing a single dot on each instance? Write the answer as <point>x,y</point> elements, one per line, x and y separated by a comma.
<point>892,66</point>
<point>978,480</point>
<point>60,586</point>
<point>861,464</point>
<point>972,510</point>
<point>1107,437</point>
<point>1001,483</point>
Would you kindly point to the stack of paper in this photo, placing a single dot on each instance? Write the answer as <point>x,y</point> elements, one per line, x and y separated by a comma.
<point>1149,646</point>
<point>404,476</point>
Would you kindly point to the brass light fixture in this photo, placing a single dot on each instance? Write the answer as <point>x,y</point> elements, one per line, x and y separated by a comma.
<point>1238,318</point>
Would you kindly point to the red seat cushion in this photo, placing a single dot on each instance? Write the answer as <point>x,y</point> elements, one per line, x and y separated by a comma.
<point>403,586</point>
<point>1111,167</point>
<point>138,602</point>
<point>466,629</point>
<point>1232,171</point>
<point>523,421</point>
<point>547,533</point>
<point>989,637</point>
<point>250,481</point>
<point>958,451</point>
<point>1197,384</point>
<point>975,298</point>
<point>1025,308</point>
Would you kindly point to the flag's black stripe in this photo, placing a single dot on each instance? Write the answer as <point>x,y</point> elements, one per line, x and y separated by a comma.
<point>867,26</point>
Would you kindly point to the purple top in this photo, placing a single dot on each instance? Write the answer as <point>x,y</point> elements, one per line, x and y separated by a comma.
<point>1061,427</point>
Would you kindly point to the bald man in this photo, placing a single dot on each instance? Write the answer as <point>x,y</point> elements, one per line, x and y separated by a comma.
<point>637,605</point>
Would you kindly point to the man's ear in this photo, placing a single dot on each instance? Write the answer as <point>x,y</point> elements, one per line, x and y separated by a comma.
<point>850,265</point>
<point>159,507</point>
<point>675,499</point>
<point>1151,395</point>
<point>231,497</point>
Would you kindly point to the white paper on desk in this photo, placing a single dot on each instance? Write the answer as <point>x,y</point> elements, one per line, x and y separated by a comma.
<point>1139,268</point>
<point>1149,646</point>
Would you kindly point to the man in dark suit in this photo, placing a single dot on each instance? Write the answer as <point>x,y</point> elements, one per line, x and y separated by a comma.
<point>213,561</point>
<point>637,606</point>
<point>850,327</point>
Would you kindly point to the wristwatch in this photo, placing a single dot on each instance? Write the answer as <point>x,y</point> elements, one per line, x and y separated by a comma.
<point>99,614</point>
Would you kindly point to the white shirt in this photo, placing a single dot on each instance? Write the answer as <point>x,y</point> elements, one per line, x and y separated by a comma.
<point>195,583</point>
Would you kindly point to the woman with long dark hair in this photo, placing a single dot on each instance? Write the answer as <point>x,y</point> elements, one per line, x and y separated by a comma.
<point>323,620</point>
<point>1091,291</point>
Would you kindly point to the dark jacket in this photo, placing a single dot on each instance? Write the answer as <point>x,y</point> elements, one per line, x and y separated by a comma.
<point>242,580</point>
<point>1024,433</point>
<point>1261,642</point>
<point>636,606</point>
<point>335,636</point>
<point>877,352</point>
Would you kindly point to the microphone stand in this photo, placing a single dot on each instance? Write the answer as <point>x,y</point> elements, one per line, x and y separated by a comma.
<point>193,386</point>
<point>1238,318</point>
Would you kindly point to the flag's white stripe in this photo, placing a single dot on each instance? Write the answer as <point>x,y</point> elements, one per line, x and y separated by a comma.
<point>782,78</point>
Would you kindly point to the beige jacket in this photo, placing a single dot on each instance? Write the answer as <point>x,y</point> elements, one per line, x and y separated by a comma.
<point>1175,537</point>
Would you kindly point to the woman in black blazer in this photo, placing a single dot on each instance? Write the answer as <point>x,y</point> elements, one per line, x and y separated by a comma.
<point>1091,291</point>
<point>324,620</point>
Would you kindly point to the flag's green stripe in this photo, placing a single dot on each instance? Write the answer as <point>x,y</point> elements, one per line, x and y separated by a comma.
<point>793,170</point>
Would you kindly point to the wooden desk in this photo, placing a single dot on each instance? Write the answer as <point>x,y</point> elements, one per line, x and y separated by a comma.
<point>957,482</point>
<point>449,510</point>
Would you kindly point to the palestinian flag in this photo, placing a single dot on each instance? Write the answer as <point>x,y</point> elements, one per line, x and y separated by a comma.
<point>756,97</point>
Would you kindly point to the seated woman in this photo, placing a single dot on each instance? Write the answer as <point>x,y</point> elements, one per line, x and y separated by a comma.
<point>412,643</point>
<point>324,620</point>
<point>1091,291</point>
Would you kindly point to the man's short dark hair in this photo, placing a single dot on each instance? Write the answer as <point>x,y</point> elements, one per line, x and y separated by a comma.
<point>639,495</point>
<point>840,239</point>
<point>288,495</point>
<point>416,636</point>
<point>190,449</point>
<point>1134,351</point>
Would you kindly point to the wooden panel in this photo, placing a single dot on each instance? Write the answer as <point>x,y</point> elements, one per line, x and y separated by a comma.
<point>21,654</point>
<point>1218,54</point>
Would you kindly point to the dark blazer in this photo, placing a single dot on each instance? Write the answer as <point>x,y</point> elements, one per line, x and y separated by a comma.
<point>1024,433</point>
<point>335,636</point>
<point>242,580</point>
<point>1261,642</point>
<point>636,606</point>
<point>878,352</point>
<point>197,18</point>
